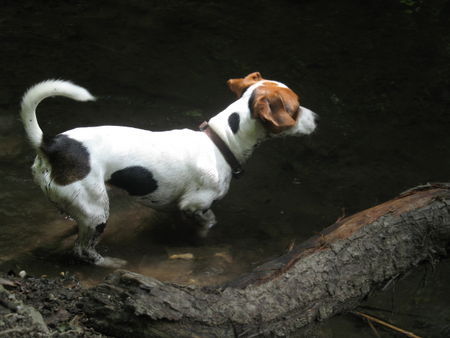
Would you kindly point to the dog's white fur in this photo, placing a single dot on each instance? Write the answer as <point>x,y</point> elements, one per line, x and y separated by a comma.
<point>189,169</point>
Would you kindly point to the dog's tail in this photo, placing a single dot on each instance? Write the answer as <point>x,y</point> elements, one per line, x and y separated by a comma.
<point>36,94</point>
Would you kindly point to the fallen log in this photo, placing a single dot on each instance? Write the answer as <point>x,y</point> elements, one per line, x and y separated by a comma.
<point>328,274</point>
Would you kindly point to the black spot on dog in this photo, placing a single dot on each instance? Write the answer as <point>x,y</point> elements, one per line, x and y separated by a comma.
<point>68,158</point>
<point>233,122</point>
<point>251,103</point>
<point>100,228</point>
<point>136,180</point>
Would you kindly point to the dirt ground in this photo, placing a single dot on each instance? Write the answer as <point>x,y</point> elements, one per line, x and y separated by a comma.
<point>41,307</point>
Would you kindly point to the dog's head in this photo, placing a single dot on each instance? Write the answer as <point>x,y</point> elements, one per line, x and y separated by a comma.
<point>274,104</point>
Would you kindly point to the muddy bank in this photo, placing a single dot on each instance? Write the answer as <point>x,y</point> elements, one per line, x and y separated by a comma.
<point>41,307</point>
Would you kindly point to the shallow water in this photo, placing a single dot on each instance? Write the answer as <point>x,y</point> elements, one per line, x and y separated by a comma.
<point>377,74</point>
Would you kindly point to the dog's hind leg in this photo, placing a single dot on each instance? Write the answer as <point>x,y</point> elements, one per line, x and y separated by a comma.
<point>87,203</point>
<point>88,237</point>
<point>91,216</point>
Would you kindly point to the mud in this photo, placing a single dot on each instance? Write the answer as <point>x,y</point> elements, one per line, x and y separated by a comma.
<point>41,307</point>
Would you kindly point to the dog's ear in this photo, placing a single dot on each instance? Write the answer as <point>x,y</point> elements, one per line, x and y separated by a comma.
<point>238,86</point>
<point>276,107</point>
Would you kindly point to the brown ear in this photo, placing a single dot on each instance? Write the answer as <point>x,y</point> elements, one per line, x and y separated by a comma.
<point>277,108</point>
<point>238,86</point>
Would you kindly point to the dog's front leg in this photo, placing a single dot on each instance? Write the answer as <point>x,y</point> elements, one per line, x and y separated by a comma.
<point>197,206</point>
<point>206,220</point>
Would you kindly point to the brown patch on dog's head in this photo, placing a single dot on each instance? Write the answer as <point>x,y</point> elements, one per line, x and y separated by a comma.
<point>275,106</point>
<point>238,86</point>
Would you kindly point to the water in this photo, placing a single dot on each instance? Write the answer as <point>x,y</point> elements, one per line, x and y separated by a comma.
<point>377,74</point>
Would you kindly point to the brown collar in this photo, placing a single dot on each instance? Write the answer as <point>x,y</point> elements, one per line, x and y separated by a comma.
<point>232,161</point>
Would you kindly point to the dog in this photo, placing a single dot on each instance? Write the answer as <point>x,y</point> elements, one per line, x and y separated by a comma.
<point>185,169</point>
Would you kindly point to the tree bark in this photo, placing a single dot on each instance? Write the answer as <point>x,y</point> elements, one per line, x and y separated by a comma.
<point>328,274</point>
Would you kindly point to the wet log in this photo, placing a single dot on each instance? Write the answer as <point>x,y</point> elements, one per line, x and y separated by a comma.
<point>328,274</point>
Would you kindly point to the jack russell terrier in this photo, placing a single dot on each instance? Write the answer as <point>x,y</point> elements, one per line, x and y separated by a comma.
<point>183,168</point>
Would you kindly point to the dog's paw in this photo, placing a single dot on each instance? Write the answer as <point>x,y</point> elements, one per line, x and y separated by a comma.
<point>203,232</point>
<point>111,262</point>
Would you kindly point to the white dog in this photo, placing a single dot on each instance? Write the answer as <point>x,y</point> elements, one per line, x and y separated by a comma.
<point>182,168</point>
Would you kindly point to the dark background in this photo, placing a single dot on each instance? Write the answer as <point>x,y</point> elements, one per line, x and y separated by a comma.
<point>377,73</point>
